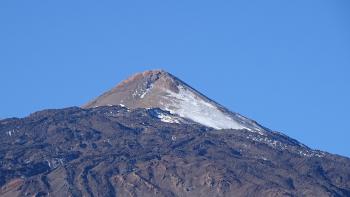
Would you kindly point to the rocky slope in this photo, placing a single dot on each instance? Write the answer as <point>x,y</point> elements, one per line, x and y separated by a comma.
<point>116,151</point>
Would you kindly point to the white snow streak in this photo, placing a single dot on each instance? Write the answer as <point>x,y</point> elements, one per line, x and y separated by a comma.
<point>188,105</point>
<point>10,133</point>
<point>166,118</point>
<point>142,93</point>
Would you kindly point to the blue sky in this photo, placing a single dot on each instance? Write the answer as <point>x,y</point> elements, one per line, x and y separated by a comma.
<point>285,64</point>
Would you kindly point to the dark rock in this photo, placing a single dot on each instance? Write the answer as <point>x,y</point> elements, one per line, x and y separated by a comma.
<point>112,151</point>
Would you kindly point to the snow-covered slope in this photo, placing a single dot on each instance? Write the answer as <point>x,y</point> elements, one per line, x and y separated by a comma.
<point>187,104</point>
<point>159,89</point>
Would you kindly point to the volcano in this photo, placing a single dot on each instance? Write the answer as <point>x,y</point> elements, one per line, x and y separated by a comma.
<point>154,135</point>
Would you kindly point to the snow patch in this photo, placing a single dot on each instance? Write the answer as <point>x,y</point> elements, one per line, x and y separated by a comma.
<point>146,91</point>
<point>123,106</point>
<point>302,151</point>
<point>167,118</point>
<point>142,92</point>
<point>188,105</point>
<point>11,132</point>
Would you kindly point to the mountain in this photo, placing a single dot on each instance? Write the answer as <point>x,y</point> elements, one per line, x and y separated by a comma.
<point>159,89</point>
<point>127,143</point>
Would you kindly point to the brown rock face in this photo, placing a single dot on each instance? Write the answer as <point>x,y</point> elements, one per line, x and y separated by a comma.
<point>142,90</point>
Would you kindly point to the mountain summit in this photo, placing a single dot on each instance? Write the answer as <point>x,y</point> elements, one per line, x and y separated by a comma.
<point>160,89</point>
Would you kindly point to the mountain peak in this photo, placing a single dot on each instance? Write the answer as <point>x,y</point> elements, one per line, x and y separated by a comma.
<point>160,89</point>
<point>147,78</point>
<point>149,74</point>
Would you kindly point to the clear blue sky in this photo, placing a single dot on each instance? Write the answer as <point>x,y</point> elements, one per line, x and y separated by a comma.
<point>283,63</point>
